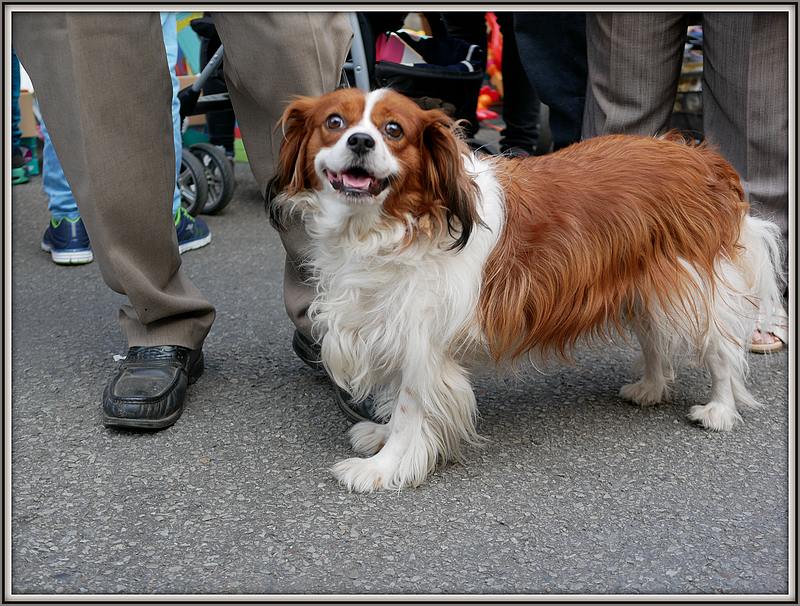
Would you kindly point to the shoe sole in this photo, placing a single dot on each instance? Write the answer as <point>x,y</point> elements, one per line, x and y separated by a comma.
<point>78,257</point>
<point>766,348</point>
<point>195,372</point>
<point>302,351</point>
<point>342,397</point>
<point>194,244</point>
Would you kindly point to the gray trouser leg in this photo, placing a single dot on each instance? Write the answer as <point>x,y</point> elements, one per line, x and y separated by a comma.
<point>746,104</point>
<point>112,130</point>
<point>634,63</point>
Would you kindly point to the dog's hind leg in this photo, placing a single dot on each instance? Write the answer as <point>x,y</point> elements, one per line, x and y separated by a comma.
<point>720,413</point>
<point>724,353</point>
<point>657,367</point>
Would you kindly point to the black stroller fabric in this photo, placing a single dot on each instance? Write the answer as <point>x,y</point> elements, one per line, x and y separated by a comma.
<point>443,81</point>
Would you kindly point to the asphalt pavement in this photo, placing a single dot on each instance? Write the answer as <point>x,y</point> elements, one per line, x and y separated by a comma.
<point>574,492</point>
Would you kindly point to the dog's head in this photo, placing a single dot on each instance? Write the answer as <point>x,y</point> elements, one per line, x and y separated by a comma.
<point>379,148</point>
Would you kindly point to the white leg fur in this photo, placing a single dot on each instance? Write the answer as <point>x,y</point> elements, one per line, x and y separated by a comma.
<point>741,395</point>
<point>652,387</point>
<point>405,459</point>
<point>719,332</point>
<point>720,413</point>
<point>368,438</point>
<point>432,416</point>
<point>730,325</point>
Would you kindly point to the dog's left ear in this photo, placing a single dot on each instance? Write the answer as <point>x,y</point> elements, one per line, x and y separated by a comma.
<point>446,178</point>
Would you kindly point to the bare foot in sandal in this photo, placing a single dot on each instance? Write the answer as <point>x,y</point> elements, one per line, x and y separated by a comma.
<point>774,339</point>
<point>765,342</point>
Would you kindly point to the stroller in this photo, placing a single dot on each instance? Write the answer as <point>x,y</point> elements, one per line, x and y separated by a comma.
<point>206,179</point>
<point>450,82</point>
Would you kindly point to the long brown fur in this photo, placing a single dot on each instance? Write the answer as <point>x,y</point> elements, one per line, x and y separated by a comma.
<point>596,230</point>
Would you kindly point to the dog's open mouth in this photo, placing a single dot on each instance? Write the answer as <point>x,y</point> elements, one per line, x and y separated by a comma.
<point>356,181</point>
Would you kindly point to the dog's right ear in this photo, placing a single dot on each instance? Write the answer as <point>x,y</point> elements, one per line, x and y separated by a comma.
<point>290,177</point>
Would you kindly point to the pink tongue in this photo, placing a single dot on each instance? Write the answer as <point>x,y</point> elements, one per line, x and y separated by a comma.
<point>356,182</point>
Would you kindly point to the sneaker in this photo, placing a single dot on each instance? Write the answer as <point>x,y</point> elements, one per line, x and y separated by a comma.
<point>19,176</point>
<point>192,231</point>
<point>67,242</point>
<point>18,173</point>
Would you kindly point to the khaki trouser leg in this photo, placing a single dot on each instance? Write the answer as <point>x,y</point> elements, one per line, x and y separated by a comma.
<point>269,58</point>
<point>104,90</point>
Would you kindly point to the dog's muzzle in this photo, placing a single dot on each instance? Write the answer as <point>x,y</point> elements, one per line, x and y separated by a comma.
<point>356,181</point>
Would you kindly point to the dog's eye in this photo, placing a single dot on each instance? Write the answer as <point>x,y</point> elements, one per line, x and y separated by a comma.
<point>334,122</point>
<point>393,129</point>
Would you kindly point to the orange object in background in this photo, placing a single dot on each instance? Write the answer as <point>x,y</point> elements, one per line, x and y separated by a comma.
<point>489,95</point>
<point>494,52</point>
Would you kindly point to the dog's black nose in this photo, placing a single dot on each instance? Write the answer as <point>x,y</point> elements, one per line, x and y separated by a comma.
<point>360,143</point>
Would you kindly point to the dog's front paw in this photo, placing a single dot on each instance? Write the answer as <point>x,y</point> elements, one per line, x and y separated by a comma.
<point>362,475</point>
<point>367,437</point>
<point>716,416</point>
<point>643,392</point>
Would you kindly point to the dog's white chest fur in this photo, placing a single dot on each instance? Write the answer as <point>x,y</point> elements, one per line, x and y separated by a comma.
<point>382,305</point>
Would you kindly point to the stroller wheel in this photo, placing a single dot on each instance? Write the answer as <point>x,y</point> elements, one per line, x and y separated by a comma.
<point>192,183</point>
<point>219,175</point>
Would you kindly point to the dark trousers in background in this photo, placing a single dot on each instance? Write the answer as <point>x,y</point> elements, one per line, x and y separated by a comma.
<point>520,102</point>
<point>544,58</point>
<point>552,51</point>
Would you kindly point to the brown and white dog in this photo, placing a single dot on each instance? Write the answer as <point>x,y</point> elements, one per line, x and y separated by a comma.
<point>428,259</point>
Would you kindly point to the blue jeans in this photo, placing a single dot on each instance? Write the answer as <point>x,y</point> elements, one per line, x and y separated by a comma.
<point>61,201</point>
<point>16,133</point>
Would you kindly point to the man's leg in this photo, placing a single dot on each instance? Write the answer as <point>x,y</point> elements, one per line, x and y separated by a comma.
<point>113,133</point>
<point>270,57</point>
<point>520,100</point>
<point>634,62</point>
<point>552,48</point>
<point>123,183</point>
<point>746,114</point>
<point>746,104</point>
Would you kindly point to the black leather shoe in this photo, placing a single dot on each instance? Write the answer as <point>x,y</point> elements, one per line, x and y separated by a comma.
<point>309,352</point>
<point>149,388</point>
<point>355,411</point>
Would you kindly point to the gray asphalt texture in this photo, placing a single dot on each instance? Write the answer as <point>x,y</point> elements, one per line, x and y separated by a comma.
<point>574,492</point>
